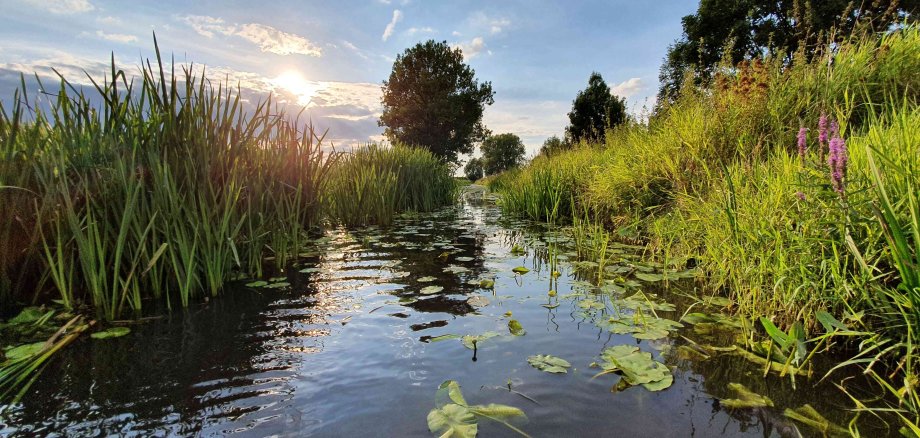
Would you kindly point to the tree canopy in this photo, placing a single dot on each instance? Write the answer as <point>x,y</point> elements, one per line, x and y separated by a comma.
<point>744,29</point>
<point>501,152</point>
<point>593,110</point>
<point>553,145</point>
<point>433,100</point>
<point>473,169</point>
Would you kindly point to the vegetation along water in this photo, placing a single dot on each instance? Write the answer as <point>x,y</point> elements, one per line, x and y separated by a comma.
<point>743,259</point>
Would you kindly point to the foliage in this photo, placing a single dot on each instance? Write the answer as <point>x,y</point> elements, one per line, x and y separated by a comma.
<point>501,152</point>
<point>553,145</point>
<point>433,100</point>
<point>374,183</point>
<point>453,417</point>
<point>474,169</point>
<point>719,179</point>
<point>593,111</point>
<point>741,30</point>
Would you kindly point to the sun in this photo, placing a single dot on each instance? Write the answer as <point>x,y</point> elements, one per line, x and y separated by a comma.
<point>294,82</point>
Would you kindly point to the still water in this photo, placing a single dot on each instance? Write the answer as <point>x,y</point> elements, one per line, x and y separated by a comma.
<point>350,348</point>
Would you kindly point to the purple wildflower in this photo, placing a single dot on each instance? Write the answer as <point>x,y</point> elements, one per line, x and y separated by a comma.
<point>822,129</point>
<point>837,161</point>
<point>803,144</point>
<point>800,195</point>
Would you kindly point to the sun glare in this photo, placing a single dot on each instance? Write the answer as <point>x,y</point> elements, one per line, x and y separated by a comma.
<point>295,83</point>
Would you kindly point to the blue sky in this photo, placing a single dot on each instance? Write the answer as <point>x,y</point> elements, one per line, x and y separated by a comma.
<point>331,56</point>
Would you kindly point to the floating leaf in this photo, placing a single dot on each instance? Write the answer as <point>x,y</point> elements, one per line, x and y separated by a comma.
<point>278,285</point>
<point>486,283</point>
<point>550,306</point>
<point>520,270</point>
<point>637,367</point>
<point>717,301</point>
<point>453,269</point>
<point>648,276</point>
<point>478,301</point>
<point>27,315</point>
<point>259,283</point>
<point>472,341</point>
<point>453,421</point>
<point>443,338</point>
<point>550,364</point>
<point>310,270</point>
<point>515,328</point>
<point>112,332</point>
<point>426,279</point>
<point>428,290</point>
<point>464,259</point>
<point>24,351</point>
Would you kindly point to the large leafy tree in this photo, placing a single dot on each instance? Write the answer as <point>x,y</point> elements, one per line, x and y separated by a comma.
<point>553,145</point>
<point>473,169</point>
<point>433,100</point>
<point>593,110</point>
<point>501,152</point>
<point>743,29</point>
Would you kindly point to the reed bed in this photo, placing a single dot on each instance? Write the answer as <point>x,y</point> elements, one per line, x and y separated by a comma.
<point>795,188</point>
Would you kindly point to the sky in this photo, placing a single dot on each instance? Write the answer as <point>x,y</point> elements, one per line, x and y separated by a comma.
<point>332,56</point>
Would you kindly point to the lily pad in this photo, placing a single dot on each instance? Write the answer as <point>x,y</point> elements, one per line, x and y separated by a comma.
<point>649,276</point>
<point>478,301</point>
<point>454,418</point>
<point>27,315</point>
<point>428,290</point>
<point>310,270</point>
<point>550,364</point>
<point>112,332</point>
<point>259,283</point>
<point>24,351</point>
<point>464,259</point>
<point>520,270</point>
<point>472,341</point>
<point>453,421</point>
<point>426,279</point>
<point>637,367</point>
<point>453,269</point>
<point>514,326</point>
<point>550,306</point>
<point>486,283</point>
<point>277,285</point>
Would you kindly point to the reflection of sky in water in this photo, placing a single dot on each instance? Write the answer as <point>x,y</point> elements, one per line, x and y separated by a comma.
<point>341,353</point>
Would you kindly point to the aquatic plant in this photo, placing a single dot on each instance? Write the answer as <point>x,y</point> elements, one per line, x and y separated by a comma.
<point>453,417</point>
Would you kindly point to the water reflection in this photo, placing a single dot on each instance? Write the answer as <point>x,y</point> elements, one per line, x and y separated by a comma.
<point>354,328</point>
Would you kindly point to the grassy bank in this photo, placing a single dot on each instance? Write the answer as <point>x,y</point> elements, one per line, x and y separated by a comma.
<point>786,228</point>
<point>159,189</point>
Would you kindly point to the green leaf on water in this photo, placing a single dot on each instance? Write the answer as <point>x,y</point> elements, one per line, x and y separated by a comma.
<point>450,389</point>
<point>426,279</point>
<point>277,285</point>
<point>515,328</point>
<point>310,270</point>
<point>486,283</point>
<point>464,259</point>
<point>550,306</point>
<point>830,323</point>
<point>520,270</point>
<point>453,421</point>
<point>259,283</point>
<point>637,367</point>
<point>24,351</point>
<point>472,341</point>
<point>717,301</point>
<point>478,301</point>
<point>443,338</point>
<point>27,315</point>
<point>453,269</point>
<point>648,276</point>
<point>550,364</point>
<point>809,416</point>
<point>428,290</point>
<point>113,332</point>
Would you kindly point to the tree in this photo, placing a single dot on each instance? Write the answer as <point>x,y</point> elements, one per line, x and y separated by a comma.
<point>553,145</point>
<point>743,29</point>
<point>593,111</point>
<point>501,152</point>
<point>473,169</point>
<point>432,100</point>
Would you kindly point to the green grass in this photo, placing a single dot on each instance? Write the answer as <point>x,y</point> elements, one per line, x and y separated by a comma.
<point>162,189</point>
<point>717,178</point>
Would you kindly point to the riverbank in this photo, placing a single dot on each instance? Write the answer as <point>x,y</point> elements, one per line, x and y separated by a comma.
<point>794,188</point>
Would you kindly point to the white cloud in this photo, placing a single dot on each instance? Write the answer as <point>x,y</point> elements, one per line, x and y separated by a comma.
<point>471,48</point>
<point>397,16</point>
<point>483,22</point>
<point>628,88</point>
<point>109,20</point>
<point>64,6</point>
<point>456,34</point>
<point>269,39</point>
<point>116,37</point>
<point>415,30</point>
